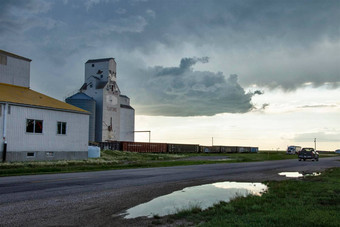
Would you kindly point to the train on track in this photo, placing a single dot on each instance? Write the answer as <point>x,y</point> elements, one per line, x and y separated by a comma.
<point>143,147</point>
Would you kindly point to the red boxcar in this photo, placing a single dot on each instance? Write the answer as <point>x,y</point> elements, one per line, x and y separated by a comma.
<point>144,147</point>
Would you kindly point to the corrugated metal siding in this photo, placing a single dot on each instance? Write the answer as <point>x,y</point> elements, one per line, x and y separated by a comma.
<point>216,149</point>
<point>205,149</point>
<point>183,148</point>
<point>18,67</point>
<point>254,149</point>
<point>228,149</point>
<point>76,138</point>
<point>114,145</point>
<point>171,148</point>
<point>127,124</point>
<point>144,147</point>
<point>243,149</point>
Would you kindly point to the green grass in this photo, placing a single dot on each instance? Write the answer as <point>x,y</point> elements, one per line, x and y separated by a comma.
<point>312,201</point>
<point>123,160</point>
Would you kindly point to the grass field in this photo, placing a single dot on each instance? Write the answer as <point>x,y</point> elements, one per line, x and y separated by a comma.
<point>312,201</point>
<point>123,160</point>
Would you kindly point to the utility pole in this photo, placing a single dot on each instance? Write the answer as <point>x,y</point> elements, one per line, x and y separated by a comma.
<point>315,144</point>
<point>212,141</point>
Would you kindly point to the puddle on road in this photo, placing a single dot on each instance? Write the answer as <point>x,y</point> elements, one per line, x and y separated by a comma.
<point>297,174</point>
<point>203,196</point>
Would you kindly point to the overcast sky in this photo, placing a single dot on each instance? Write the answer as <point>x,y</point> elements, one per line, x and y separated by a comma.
<point>246,72</point>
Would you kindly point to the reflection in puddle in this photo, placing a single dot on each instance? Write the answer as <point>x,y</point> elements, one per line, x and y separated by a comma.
<point>297,174</point>
<point>202,196</point>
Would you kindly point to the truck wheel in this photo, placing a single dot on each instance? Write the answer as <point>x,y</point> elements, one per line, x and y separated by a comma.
<point>304,159</point>
<point>299,159</point>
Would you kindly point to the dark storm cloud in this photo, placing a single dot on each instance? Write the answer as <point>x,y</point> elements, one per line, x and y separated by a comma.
<point>258,92</point>
<point>182,91</point>
<point>276,44</point>
<point>21,15</point>
<point>288,39</point>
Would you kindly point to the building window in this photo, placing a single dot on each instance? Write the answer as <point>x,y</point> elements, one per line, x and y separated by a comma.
<point>34,126</point>
<point>3,60</point>
<point>92,65</point>
<point>61,128</point>
<point>30,154</point>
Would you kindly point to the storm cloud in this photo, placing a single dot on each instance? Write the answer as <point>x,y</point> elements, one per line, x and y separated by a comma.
<point>271,44</point>
<point>182,91</point>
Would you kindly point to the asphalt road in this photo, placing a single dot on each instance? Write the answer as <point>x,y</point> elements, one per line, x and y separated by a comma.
<point>98,198</point>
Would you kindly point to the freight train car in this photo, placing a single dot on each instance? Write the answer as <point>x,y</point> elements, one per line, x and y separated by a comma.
<point>254,149</point>
<point>205,149</point>
<point>243,149</point>
<point>210,149</point>
<point>144,147</point>
<point>183,148</point>
<point>109,145</point>
<point>171,148</point>
<point>228,149</point>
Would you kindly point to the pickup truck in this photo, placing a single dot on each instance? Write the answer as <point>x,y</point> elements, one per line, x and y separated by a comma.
<point>308,153</point>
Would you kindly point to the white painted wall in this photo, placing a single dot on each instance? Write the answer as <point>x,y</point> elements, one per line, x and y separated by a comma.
<point>111,109</point>
<point>16,72</point>
<point>76,138</point>
<point>91,69</point>
<point>1,126</point>
<point>127,124</point>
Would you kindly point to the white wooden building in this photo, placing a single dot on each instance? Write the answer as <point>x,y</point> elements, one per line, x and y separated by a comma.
<point>33,125</point>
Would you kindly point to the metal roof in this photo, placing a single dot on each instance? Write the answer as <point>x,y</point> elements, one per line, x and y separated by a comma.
<point>123,96</point>
<point>80,95</point>
<point>99,60</point>
<point>27,97</point>
<point>14,55</point>
<point>126,107</point>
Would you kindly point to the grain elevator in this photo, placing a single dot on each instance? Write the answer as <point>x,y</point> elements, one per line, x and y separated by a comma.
<point>113,118</point>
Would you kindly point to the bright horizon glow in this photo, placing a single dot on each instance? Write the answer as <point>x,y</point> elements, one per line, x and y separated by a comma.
<point>294,118</point>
